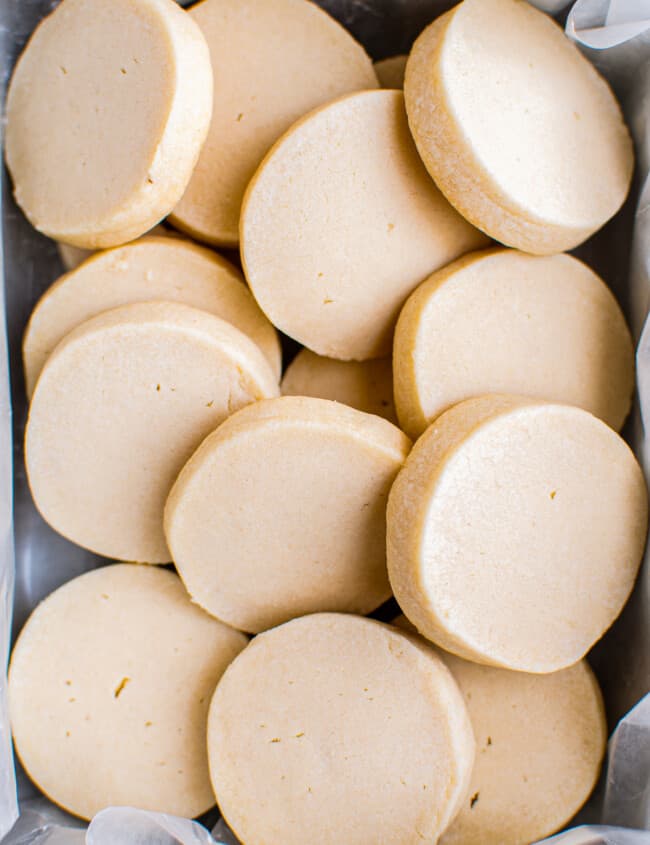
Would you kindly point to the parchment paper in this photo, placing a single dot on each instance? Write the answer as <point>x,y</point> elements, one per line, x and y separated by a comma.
<point>615,35</point>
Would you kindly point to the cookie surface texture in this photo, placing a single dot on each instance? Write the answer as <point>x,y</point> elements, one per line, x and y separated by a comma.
<point>282,511</point>
<point>120,406</point>
<point>109,688</point>
<point>517,128</point>
<point>273,61</point>
<point>501,321</point>
<point>153,268</point>
<point>364,385</point>
<point>332,253</point>
<point>361,732</point>
<point>515,532</point>
<point>107,111</point>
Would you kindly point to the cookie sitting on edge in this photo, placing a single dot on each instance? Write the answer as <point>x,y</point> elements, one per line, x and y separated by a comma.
<point>515,532</point>
<point>91,165</point>
<point>517,128</point>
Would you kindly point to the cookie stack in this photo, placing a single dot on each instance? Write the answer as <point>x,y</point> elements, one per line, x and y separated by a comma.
<point>447,436</point>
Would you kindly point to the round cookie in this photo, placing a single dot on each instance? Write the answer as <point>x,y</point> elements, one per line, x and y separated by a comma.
<point>120,406</point>
<point>107,111</point>
<point>273,61</point>
<point>541,155</point>
<point>359,730</point>
<point>501,321</point>
<point>541,740</point>
<point>332,253</point>
<point>515,531</point>
<point>109,688</point>
<point>73,256</point>
<point>152,268</point>
<point>364,385</point>
<point>282,512</point>
<point>540,743</point>
<point>390,72</point>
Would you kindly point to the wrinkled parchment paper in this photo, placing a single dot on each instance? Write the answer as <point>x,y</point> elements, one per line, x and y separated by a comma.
<point>615,35</point>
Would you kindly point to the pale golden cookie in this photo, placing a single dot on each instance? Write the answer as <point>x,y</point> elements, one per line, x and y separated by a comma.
<point>109,688</point>
<point>282,512</point>
<point>332,252</point>
<point>107,111</point>
<point>518,129</point>
<point>501,321</point>
<point>120,406</point>
<point>364,385</point>
<point>152,268</point>
<point>273,61</point>
<point>515,532</point>
<point>338,730</point>
<point>390,72</point>
<point>73,256</point>
<point>540,743</point>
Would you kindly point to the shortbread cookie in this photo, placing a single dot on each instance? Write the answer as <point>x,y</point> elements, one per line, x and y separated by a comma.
<point>390,72</point>
<point>515,532</point>
<point>120,406</point>
<point>282,512</point>
<point>501,321</point>
<point>73,256</point>
<point>107,111</point>
<point>540,743</point>
<point>109,688</point>
<point>152,268</point>
<point>332,252</point>
<point>273,61</point>
<point>351,724</point>
<point>364,385</point>
<point>518,129</point>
